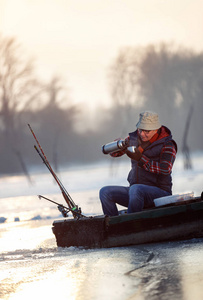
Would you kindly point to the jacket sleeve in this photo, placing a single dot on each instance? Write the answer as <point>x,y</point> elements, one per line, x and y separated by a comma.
<point>164,165</point>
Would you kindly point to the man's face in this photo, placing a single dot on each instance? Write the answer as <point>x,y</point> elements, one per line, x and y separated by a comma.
<point>146,135</point>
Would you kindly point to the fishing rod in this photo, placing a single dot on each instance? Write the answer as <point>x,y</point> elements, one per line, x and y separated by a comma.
<point>67,197</point>
<point>72,206</point>
<point>63,209</point>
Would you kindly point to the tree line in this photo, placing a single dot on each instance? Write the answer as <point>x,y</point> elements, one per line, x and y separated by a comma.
<point>163,78</point>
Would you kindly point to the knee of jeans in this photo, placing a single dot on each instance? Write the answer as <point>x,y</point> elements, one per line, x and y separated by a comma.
<point>135,188</point>
<point>102,193</point>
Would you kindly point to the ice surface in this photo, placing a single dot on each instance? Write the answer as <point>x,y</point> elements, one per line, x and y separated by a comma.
<point>33,267</point>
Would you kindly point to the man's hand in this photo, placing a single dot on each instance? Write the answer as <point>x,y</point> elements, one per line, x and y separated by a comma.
<point>127,140</point>
<point>121,152</point>
<point>136,154</point>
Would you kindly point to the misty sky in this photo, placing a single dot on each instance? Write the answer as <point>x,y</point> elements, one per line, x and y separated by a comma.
<point>79,39</point>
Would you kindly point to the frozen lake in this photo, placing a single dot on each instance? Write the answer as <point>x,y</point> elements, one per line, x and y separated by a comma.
<point>32,266</point>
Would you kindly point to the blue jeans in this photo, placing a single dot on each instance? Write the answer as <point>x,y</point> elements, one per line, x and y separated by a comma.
<point>135,197</point>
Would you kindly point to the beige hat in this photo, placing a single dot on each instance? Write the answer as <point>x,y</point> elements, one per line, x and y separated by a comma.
<point>148,121</point>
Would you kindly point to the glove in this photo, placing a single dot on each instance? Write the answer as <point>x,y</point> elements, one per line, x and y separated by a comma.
<point>127,140</point>
<point>136,154</point>
<point>122,151</point>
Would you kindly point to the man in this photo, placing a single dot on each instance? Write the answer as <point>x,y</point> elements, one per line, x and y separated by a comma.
<point>151,165</point>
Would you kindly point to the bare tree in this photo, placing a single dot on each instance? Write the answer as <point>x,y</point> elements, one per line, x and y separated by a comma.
<point>164,78</point>
<point>19,89</point>
<point>124,75</point>
<point>185,147</point>
<point>57,120</point>
<point>171,82</point>
<point>58,97</point>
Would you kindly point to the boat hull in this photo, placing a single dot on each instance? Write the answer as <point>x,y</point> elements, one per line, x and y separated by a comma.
<point>173,222</point>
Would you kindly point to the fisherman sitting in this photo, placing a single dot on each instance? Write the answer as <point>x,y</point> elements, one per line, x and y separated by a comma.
<point>152,152</point>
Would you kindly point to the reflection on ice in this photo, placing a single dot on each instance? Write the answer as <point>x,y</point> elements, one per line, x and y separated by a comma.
<point>192,272</point>
<point>170,274</point>
<point>80,274</point>
<point>25,235</point>
<point>43,286</point>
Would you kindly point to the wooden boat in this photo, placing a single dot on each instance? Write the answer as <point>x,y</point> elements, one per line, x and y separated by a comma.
<point>176,221</point>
